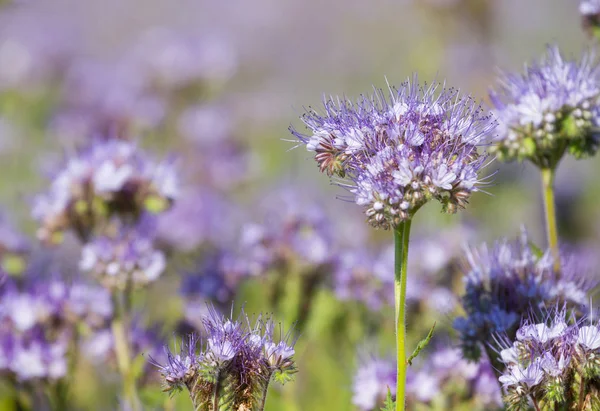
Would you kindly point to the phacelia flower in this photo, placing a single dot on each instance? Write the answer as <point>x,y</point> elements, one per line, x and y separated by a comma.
<point>552,362</point>
<point>550,109</point>
<point>234,366</point>
<point>126,259</point>
<point>396,153</point>
<point>445,374</point>
<point>110,177</point>
<point>504,283</point>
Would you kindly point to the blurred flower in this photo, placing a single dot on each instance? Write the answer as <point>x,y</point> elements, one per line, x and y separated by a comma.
<point>173,61</point>
<point>235,365</point>
<point>589,8</point>
<point>126,259</point>
<point>110,177</point>
<point>550,109</point>
<point>39,322</point>
<point>396,155</point>
<point>507,281</point>
<point>444,374</point>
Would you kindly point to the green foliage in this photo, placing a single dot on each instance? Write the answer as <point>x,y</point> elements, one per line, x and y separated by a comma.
<point>390,404</point>
<point>421,345</point>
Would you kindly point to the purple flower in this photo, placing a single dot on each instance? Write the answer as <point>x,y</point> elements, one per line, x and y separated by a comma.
<point>128,257</point>
<point>237,362</point>
<point>371,382</point>
<point>504,283</point>
<point>549,109</point>
<point>589,7</point>
<point>109,177</point>
<point>396,155</point>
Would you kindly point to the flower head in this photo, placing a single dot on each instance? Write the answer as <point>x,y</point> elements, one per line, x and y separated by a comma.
<point>110,177</point>
<point>504,283</point>
<point>395,154</point>
<point>128,257</point>
<point>549,109</point>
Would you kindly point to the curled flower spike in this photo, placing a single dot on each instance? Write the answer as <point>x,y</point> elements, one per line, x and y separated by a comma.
<point>550,109</point>
<point>235,366</point>
<point>127,258</point>
<point>505,282</point>
<point>553,362</point>
<point>395,153</point>
<point>110,177</point>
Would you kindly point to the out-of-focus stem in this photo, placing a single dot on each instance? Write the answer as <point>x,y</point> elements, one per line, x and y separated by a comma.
<point>401,241</point>
<point>550,214</point>
<point>121,342</point>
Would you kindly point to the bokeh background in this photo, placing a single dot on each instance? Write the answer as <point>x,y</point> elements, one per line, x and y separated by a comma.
<point>235,74</point>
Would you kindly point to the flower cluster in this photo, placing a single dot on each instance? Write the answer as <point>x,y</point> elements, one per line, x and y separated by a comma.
<point>505,282</point>
<point>39,323</point>
<point>235,365</point>
<point>548,110</point>
<point>110,177</point>
<point>127,259</point>
<point>444,375</point>
<point>396,155</point>
<point>553,364</point>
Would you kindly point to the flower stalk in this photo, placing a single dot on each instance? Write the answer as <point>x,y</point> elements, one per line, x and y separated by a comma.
<point>401,240</point>
<point>550,214</point>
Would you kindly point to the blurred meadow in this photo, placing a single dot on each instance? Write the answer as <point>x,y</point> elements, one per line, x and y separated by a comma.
<point>211,87</point>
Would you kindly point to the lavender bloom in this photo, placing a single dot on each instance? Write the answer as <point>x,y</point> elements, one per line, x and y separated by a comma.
<point>554,362</point>
<point>396,155</point>
<point>443,375</point>
<point>235,365</point>
<point>589,7</point>
<point>109,177</point>
<point>129,258</point>
<point>550,109</point>
<point>504,283</point>
<point>39,322</point>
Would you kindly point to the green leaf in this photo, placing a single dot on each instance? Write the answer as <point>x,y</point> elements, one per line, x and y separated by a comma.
<point>389,402</point>
<point>537,251</point>
<point>421,345</point>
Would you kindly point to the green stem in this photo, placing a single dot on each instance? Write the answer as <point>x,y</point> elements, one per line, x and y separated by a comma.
<point>550,213</point>
<point>401,239</point>
<point>122,352</point>
<point>216,392</point>
<point>535,404</point>
<point>263,402</point>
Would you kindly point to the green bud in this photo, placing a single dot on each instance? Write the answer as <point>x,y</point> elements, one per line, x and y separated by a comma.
<point>529,147</point>
<point>81,207</point>
<point>569,127</point>
<point>13,264</point>
<point>156,204</point>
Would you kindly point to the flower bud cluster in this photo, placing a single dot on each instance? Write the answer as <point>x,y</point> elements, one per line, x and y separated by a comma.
<point>553,364</point>
<point>235,364</point>
<point>111,177</point>
<point>550,109</point>
<point>394,156</point>
<point>504,282</point>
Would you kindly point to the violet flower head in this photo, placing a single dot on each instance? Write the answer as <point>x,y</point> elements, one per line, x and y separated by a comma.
<point>504,283</point>
<point>235,365</point>
<point>553,361</point>
<point>127,258</point>
<point>396,153</point>
<point>110,177</point>
<point>550,109</point>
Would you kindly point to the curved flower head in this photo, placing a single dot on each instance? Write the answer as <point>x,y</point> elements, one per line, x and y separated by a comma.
<point>129,257</point>
<point>180,369</point>
<point>110,177</point>
<point>550,109</point>
<point>504,283</point>
<point>395,153</point>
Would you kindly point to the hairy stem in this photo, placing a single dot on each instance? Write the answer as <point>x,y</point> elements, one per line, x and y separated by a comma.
<point>216,392</point>
<point>581,404</point>
<point>401,240</point>
<point>263,402</point>
<point>550,214</point>
<point>122,352</point>
<point>535,404</point>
